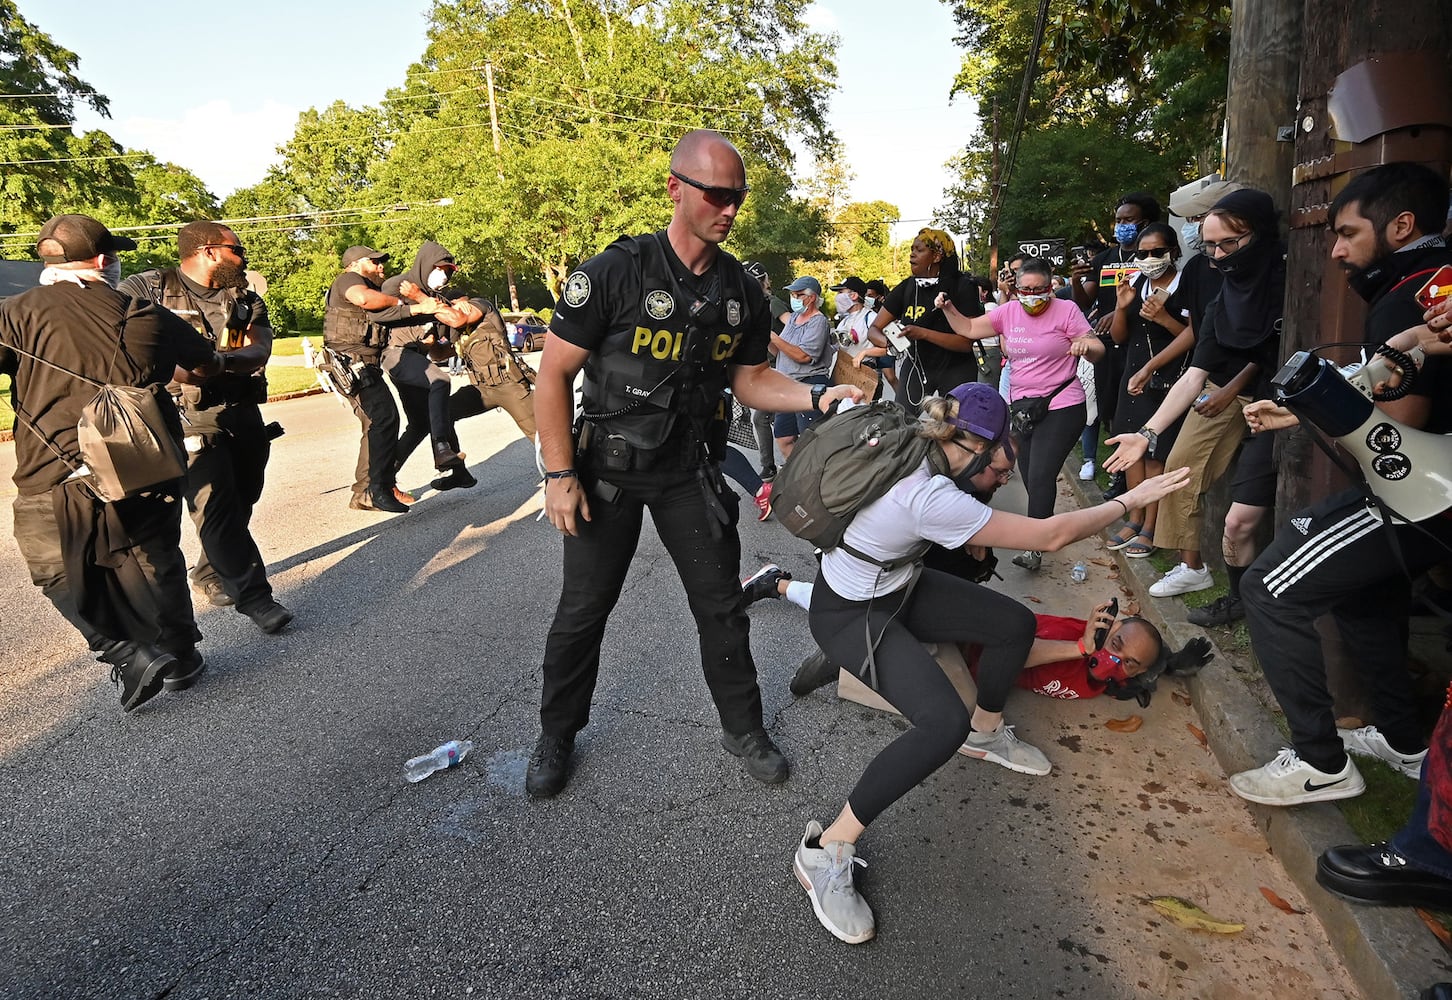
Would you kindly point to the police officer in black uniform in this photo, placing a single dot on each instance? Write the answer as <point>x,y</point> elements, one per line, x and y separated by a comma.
<point>661,324</point>
<point>356,307</point>
<point>114,570</point>
<point>227,444</point>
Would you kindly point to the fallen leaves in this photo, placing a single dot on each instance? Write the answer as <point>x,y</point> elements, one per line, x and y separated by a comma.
<point>1198,733</point>
<point>1126,725</point>
<point>1187,914</point>
<point>1181,697</point>
<point>1030,597</point>
<point>1278,902</point>
<point>1436,927</point>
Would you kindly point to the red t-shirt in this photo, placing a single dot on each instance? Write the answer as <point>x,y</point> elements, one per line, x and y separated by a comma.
<point>1067,679</point>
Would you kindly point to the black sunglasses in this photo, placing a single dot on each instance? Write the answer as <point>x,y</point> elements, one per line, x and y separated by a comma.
<point>236,248</point>
<point>1156,252</point>
<point>716,197</point>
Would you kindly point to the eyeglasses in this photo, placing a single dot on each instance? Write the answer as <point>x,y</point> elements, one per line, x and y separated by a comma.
<point>1003,475</point>
<point>236,248</point>
<point>716,197</point>
<point>1041,290</point>
<point>1147,253</point>
<point>1225,246</point>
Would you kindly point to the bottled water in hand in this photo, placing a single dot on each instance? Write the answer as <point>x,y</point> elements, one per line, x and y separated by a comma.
<point>439,759</point>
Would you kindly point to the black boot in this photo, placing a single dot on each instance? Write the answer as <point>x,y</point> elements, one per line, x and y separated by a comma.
<point>184,673</point>
<point>549,766</point>
<point>138,670</point>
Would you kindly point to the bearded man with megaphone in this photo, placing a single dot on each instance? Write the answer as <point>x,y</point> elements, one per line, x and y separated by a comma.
<point>1351,554</point>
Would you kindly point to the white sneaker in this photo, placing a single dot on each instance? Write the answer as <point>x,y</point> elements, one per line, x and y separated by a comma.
<point>1290,781</point>
<point>826,873</point>
<point>1086,471</point>
<point>1368,742</point>
<point>1002,747</point>
<point>1182,580</point>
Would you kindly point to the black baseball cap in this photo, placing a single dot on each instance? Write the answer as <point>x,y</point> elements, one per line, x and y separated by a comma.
<point>77,237</point>
<point>353,255</point>
<point>756,269</point>
<point>852,284</point>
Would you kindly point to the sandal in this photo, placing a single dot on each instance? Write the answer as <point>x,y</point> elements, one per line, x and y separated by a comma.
<point>1137,549</point>
<point>1117,541</point>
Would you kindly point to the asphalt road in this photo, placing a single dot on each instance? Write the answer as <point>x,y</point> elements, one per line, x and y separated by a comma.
<point>255,837</point>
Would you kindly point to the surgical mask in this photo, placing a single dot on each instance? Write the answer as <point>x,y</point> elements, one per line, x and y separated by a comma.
<point>1034,304</point>
<point>437,278</point>
<point>1190,235</point>
<point>844,302</point>
<point>1153,267</point>
<point>1125,232</point>
<point>797,304</point>
<point>872,301</point>
<point>111,273</point>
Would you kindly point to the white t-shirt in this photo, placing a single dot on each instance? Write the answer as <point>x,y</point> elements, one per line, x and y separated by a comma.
<point>921,506</point>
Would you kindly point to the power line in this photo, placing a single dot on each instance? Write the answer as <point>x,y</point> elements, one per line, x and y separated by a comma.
<point>73,159</point>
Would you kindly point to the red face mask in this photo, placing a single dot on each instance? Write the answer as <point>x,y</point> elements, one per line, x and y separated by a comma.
<point>1104,667</point>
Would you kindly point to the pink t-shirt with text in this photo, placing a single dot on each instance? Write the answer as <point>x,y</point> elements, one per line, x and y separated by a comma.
<point>1038,350</point>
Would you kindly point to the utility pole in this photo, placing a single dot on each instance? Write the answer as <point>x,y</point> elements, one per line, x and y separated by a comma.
<point>994,195</point>
<point>494,130</point>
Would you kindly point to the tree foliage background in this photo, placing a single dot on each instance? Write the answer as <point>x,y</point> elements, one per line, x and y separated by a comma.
<point>1129,94</point>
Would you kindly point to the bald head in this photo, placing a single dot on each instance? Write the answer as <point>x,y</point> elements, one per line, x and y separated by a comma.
<point>703,150</point>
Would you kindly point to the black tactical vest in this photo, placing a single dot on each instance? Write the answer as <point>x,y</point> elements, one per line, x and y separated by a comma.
<point>347,328</point>
<point>640,383</point>
<point>224,389</point>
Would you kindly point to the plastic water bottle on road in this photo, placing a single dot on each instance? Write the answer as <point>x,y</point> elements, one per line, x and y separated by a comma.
<point>440,759</point>
<point>1080,572</point>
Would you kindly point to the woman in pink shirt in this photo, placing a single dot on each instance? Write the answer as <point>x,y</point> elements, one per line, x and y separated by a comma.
<point>1043,338</point>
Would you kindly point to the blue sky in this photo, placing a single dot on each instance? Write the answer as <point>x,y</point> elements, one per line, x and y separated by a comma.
<point>218,88</point>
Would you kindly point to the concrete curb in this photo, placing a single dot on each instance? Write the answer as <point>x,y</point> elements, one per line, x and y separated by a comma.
<point>1388,950</point>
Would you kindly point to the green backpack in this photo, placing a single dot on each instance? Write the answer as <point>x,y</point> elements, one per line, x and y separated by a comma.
<point>843,462</point>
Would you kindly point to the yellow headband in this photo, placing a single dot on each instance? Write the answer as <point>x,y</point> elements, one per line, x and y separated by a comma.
<point>943,241</point>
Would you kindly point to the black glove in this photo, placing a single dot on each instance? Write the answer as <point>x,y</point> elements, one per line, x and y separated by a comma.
<point>1188,661</point>
<point>984,569</point>
<point>1135,689</point>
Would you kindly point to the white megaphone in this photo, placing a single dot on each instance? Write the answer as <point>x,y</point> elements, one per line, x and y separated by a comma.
<point>1408,469</point>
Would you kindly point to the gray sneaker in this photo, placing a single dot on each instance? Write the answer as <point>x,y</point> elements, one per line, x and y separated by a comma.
<point>826,873</point>
<point>1004,748</point>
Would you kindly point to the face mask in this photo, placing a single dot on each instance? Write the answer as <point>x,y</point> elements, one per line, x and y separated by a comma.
<point>872,301</point>
<point>438,278</point>
<point>1034,304</point>
<point>1125,232</point>
<point>1104,666</point>
<point>1190,235</point>
<point>1153,267</point>
<point>111,273</point>
<point>797,304</point>
<point>844,302</point>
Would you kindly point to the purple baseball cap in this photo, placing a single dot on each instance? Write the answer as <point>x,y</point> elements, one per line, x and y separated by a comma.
<point>982,411</point>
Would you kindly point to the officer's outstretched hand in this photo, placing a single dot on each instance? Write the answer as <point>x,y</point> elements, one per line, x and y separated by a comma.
<point>837,392</point>
<point>564,501</point>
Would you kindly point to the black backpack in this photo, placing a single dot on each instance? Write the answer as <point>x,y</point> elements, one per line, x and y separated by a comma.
<point>842,463</point>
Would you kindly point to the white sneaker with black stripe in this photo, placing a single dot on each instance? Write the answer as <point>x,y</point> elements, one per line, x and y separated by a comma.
<point>1369,742</point>
<point>1290,781</point>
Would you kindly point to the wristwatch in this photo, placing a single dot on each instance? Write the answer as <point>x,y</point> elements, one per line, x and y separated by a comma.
<point>818,391</point>
<point>1150,436</point>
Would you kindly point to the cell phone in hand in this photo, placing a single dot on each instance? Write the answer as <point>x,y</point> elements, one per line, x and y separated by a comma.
<point>1100,634</point>
<point>895,336</point>
<point>1080,255</point>
<point>1437,288</point>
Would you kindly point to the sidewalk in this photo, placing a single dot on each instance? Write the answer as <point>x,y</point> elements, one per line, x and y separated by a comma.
<point>1388,950</point>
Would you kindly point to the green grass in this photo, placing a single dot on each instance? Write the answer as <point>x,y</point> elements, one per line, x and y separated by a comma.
<point>283,379</point>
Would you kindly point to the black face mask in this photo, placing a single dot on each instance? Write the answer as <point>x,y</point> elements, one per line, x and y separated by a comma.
<point>1369,281</point>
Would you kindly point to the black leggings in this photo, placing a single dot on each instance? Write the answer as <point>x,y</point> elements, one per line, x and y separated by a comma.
<point>1041,456</point>
<point>941,608</point>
